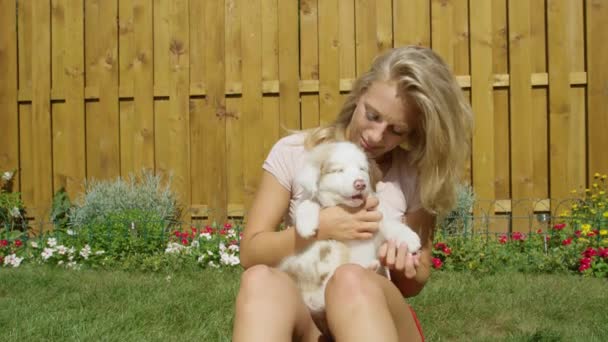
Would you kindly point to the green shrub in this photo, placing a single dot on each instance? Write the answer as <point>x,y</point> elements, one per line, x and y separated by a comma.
<point>105,198</point>
<point>459,220</point>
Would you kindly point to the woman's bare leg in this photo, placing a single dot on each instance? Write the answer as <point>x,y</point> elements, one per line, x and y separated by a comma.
<point>364,306</point>
<point>269,308</point>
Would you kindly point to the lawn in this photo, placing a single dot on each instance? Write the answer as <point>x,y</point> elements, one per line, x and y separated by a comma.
<point>44,303</point>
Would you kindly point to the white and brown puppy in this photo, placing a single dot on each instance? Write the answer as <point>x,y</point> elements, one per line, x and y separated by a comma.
<point>336,173</point>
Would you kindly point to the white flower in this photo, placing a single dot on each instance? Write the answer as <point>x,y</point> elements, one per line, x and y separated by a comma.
<point>7,176</point>
<point>195,244</point>
<point>212,264</point>
<point>71,251</point>
<point>210,253</point>
<point>201,258</point>
<point>231,233</point>
<point>34,244</point>
<point>222,247</point>
<point>207,236</point>
<point>234,248</point>
<point>47,253</point>
<point>12,260</point>
<point>60,262</point>
<point>85,251</point>
<point>99,252</point>
<point>61,250</point>
<point>15,212</point>
<point>168,278</point>
<point>174,247</point>
<point>72,264</point>
<point>71,232</point>
<point>229,259</point>
<point>51,242</point>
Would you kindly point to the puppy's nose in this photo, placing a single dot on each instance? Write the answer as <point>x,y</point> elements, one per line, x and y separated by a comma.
<point>359,184</point>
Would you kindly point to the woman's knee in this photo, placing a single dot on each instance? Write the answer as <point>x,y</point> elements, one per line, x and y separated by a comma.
<point>261,283</point>
<point>350,283</point>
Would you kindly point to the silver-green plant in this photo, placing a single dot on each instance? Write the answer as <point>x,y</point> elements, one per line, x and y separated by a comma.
<point>459,220</point>
<point>105,198</point>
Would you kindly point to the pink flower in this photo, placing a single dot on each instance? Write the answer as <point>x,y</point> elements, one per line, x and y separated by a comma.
<point>559,226</point>
<point>517,236</point>
<point>567,242</point>
<point>503,239</point>
<point>437,263</point>
<point>440,245</point>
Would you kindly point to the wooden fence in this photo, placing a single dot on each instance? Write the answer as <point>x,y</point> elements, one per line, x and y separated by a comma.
<point>201,89</point>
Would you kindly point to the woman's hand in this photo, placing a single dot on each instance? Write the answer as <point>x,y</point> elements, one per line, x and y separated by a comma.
<point>399,259</point>
<point>344,223</point>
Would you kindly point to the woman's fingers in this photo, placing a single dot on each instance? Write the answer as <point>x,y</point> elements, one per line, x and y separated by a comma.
<point>371,203</point>
<point>370,216</point>
<point>401,254</point>
<point>410,269</point>
<point>391,254</point>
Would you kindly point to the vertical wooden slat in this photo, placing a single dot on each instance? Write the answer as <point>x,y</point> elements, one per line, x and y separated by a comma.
<point>559,102</point>
<point>597,85</point>
<point>521,131</point>
<point>41,109</point>
<point>412,22</point>
<point>348,62</point>
<point>270,71</point>
<point>329,59</point>
<point>365,29</point>
<point>483,107</point>
<point>539,119</point>
<point>102,119</point>
<point>442,23</point>
<point>235,127</point>
<point>501,102</point>
<point>252,95</point>
<point>26,148</point>
<point>68,120</point>
<point>126,58</point>
<point>309,60</point>
<point>9,120</point>
<point>384,25</point>
<point>215,109</point>
<point>288,66</point>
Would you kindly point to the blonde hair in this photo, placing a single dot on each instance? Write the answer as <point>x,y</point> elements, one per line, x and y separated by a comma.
<point>440,144</point>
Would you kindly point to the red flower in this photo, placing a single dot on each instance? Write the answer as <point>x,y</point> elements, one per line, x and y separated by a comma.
<point>185,242</point>
<point>18,243</point>
<point>209,230</point>
<point>517,236</point>
<point>567,242</point>
<point>585,261</point>
<point>227,225</point>
<point>559,226</point>
<point>183,235</point>
<point>440,245</point>
<point>447,251</point>
<point>437,263</point>
<point>3,243</point>
<point>603,252</point>
<point>577,233</point>
<point>589,252</point>
<point>503,239</point>
<point>176,233</point>
<point>539,231</point>
<point>583,267</point>
<point>193,229</point>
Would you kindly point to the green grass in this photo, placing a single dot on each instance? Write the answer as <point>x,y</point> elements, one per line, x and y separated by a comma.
<point>41,303</point>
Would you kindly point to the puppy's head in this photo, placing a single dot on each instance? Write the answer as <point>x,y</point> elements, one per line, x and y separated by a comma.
<point>336,173</point>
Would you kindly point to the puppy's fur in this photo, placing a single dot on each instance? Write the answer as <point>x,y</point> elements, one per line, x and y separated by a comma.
<point>333,174</point>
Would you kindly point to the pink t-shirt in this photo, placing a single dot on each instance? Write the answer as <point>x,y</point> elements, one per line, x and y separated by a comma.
<point>397,190</point>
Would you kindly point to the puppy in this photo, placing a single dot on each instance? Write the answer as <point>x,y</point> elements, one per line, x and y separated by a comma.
<point>336,174</point>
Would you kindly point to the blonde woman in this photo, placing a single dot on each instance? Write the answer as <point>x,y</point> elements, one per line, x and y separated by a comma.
<point>408,98</point>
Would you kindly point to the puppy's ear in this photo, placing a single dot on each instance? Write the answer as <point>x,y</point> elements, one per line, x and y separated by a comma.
<point>308,177</point>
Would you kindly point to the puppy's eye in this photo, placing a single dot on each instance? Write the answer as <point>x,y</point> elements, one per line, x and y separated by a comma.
<point>364,169</point>
<point>336,170</point>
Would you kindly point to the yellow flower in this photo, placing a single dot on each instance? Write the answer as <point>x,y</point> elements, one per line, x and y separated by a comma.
<point>595,185</point>
<point>603,232</point>
<point>564,213</point>
<point>604,242</point>
<point>574,206</point>
<point>603,176</point>
<point>587,190</point>
<point>605,214</point>
<point>586,228</point>
<point>592,211</point>
<point>573,191</point>
<point>596,175</point>
<point>583,240</point>
<point>602,192</point>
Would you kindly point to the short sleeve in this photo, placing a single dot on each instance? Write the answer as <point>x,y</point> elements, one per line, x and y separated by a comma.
<point>280,161</point>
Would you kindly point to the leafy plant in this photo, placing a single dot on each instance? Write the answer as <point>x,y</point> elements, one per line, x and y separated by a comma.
<point>60,209</point>
<point>459,219</point>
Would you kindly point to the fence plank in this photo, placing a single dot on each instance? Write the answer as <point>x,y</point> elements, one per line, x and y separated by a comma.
<point>520,82</point>
<point>26,148</point>
<point>288,65</point>
<point>559,103</point>
<point>69,160</point>
<point>384,25</point>
<point>252,94</point>
<point>309,60</point>
<point>346,19</point>
<point>365,34</point>
<point>597,85</point>
<point>442,23</point>
<point>41,109</point>
<point>411,22</point>
<point>102,121</point>
<point>481,84</point>
<point>329,61</point>
<point>9,115</point>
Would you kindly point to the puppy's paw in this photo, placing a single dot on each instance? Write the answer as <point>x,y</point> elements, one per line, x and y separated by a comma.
<point>401,233</point>
<point>307,218</point>
<point>373,265</point>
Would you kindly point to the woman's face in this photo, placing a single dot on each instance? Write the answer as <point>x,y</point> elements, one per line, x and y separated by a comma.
<point>381,121</point>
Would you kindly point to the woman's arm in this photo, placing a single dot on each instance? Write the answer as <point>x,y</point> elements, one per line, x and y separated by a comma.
<point>261,242</point>
<point>423,223</point>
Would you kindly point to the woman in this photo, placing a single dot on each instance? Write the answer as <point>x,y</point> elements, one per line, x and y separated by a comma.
<point>407,98</point>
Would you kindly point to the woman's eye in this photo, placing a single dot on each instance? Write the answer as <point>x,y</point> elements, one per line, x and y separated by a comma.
<point>398,133</point>
<point>371,116</point>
